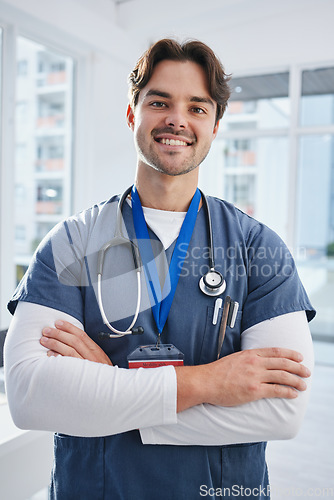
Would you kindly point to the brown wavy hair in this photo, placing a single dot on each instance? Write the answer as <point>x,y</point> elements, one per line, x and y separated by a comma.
<point>194,51</point>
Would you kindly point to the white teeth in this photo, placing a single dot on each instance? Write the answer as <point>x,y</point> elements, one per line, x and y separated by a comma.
<point>173,142</point>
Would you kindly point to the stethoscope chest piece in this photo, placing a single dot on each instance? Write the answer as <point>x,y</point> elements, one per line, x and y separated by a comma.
<point>212,283</point>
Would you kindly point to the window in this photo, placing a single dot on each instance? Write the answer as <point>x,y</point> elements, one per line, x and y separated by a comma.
<point>36,141</point>
<point>315,209</point>
<point>258,102</point>
<point>241,189</point>
<point>317,102</point>
<point>43,156</point>
<point>22,67</point>
<point>316,196</point>
<point>279,168</point>
<point>315,227</point>
<point>253,144</point>
<point>20,233</point>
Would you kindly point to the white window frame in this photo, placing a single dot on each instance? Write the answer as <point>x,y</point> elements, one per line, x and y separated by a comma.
<point>294,131</point>
<point>14,24</point>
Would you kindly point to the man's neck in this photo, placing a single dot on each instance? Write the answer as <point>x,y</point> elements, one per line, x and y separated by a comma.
<point>164,192</point>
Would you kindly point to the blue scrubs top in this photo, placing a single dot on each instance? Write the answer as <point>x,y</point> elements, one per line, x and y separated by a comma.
<point>260,274</point>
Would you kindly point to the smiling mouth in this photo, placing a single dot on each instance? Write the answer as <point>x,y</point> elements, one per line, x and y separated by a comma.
<point>173,142</point>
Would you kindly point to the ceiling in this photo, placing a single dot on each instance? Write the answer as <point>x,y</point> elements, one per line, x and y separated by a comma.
<point>202,19</point>
<point>247,35</point>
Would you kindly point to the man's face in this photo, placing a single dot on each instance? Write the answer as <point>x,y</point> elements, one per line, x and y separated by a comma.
<point>174,120</point>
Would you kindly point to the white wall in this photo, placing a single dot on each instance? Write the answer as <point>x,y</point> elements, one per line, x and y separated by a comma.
<point>106,159</point>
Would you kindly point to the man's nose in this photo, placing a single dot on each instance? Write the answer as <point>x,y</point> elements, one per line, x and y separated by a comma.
<point>176,118</point>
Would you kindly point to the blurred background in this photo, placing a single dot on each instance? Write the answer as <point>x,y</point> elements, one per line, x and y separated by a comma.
<point>65,145</point>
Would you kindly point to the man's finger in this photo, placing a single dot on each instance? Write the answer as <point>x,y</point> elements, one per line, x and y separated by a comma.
<point>53,353</point>
<point>285,379</point>
<point>280,352</point>
<point>65,326</point>
<point>68,340</point>
<point>78,333</point>
<point>278,391</point>
<point>287,365</point>
<point>71,341</point>
<point>59,347</point>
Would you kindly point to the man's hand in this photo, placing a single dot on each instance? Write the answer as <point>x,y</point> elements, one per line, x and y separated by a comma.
<point>242,377</point>
<point>68,340</point>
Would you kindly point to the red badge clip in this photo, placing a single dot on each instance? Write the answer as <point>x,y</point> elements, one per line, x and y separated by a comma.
<point>153,356</point>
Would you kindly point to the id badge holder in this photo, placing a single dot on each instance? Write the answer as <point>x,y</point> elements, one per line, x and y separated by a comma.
<point>153,356</point>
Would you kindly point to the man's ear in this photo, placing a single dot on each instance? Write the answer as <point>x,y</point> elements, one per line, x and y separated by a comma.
<point>130,117</point>
<point>215,130</point>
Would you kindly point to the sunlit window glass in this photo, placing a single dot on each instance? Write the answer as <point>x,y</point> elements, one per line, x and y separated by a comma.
<point>317,101</point>
<point>258,102</point>
<point>251,173</point>
<point>315,229</point>
<point>43,156</point>
<point>240,173</point>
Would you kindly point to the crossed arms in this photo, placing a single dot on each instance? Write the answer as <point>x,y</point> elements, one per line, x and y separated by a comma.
<point>255,395</point>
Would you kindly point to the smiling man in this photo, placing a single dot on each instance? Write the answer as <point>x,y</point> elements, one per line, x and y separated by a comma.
<point>196,424</point>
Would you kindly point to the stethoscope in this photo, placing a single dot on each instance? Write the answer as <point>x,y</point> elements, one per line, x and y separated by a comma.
<point>212,283</point>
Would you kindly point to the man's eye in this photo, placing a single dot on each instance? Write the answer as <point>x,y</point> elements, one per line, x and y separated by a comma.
<point>158,104</point>
<point>199,111</point>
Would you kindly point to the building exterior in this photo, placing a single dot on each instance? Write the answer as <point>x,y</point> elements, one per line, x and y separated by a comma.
<point>43,156</point>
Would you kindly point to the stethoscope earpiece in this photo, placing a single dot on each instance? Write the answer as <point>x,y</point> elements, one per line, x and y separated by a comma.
<point>212,283</point>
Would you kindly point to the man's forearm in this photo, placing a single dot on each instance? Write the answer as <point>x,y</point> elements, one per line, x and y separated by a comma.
<point>260,420</point>
<point>188,387</point>
<point>242,377</point>
<point>76,396</point>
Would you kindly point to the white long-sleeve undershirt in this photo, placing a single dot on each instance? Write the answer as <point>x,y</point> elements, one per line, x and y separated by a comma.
<point>75,396</point>
<point>84,398</point>
<point>262,420</point>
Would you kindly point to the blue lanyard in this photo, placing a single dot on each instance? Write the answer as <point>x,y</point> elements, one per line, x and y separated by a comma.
<point>161,301</point>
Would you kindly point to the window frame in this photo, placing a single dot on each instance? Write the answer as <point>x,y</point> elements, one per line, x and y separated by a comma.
<point>294,131</point>
<point>13,25</point>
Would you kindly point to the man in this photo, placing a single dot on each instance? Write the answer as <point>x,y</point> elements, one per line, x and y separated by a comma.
<point>170,432</point>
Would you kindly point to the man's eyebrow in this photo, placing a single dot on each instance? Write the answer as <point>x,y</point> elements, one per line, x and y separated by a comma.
<point>205,100</point>
<point>157,93</point>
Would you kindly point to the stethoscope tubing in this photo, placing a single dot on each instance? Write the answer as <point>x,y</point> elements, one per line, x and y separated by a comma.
<point>119,333</point>
<point>213,289</point>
